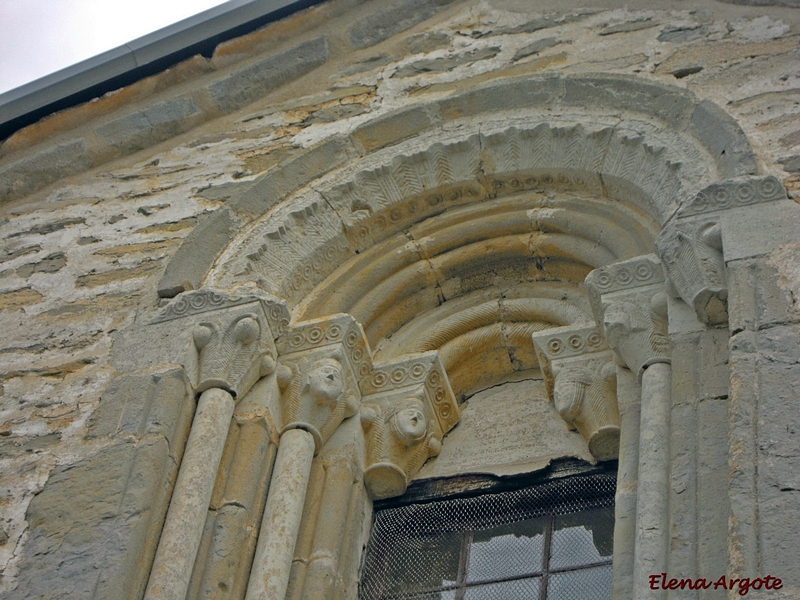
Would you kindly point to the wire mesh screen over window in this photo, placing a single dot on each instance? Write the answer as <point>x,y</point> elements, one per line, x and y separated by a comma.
<point>552,541</point>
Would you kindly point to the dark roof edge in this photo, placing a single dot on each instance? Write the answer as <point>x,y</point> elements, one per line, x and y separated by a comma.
<point>145,56</point>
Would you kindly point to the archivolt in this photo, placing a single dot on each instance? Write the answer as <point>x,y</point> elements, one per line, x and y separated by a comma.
<point>489,216</point>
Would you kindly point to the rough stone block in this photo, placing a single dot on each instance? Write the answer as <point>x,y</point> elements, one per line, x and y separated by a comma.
<point>755,298</point>
<point>244,85</point>
<point>27,174</point>
<point>665,102</point>
<point>505,95</point>
<point>505,430</point>
<point>49,264</point>
<point>724,138</point>
<point>742,459</point>
<point>191,262</point>
<point>392,128</point>
<point>779,449</point>
<point>683,489</point>
<point>428,42</point>
<point>151,124</point>
<point>712,483</point>
<point>700,366</point>
<point>754,230</point>
<point>682,317</point>
<point>536,47</point>
<point>790,3</point>
<point>398,17</point>
<point>91,527</point>
<point>136,405</point>
<point>445,63</point>
<point>272,187</point>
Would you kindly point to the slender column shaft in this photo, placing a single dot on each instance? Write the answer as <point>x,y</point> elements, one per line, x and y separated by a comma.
<point>653,486</point>
<point>183,529</point>
<point>629,396</point>
<point>323,578</point>
<point>269,577</point>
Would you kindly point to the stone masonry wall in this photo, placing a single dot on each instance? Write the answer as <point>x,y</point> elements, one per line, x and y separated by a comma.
<point>96,199</point>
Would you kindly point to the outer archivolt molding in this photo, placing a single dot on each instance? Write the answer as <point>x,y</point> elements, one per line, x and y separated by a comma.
<point>305,239</point>
<point>676,108</point>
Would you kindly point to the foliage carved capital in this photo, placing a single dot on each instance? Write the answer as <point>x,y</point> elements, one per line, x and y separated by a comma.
<point>232,337</point>
<point>691,252</point>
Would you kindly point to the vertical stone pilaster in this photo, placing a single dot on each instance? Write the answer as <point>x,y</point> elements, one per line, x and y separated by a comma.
<point>629,395</point>
<point>746,221</point>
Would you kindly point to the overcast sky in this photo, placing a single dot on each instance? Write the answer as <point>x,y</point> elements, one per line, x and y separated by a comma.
<point>38,37</point>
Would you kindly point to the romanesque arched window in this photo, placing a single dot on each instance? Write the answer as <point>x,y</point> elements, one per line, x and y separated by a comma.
<point>482,297</point>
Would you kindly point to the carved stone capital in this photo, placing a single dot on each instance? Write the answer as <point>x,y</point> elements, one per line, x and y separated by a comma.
<point>733,193</point>
<point>407,408</point>
<point>580,376</point>
<point>630,305</point>
<point>232,337</point>
<point>320,364</point>
<point>691,252</point>
<point>691,245</point>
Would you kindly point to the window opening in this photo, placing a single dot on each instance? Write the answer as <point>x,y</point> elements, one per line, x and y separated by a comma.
<point>550,541</point>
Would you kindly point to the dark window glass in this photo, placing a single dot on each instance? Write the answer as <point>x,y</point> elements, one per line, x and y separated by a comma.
<point>551,541</point>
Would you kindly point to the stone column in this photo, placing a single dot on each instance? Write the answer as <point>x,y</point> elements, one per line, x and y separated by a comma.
<point>232,349</point>
<point>629,396</point>
<point>629,302</point>
<point>320,365</point>
<point>273,562</point>
<point>406,407</point>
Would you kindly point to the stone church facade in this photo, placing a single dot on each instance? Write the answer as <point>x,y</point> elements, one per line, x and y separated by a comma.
<point>378,252</point>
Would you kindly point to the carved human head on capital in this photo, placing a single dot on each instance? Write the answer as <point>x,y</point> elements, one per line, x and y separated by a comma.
<point>408,423</point>
<point>569,390</point>
<point>325,381</point>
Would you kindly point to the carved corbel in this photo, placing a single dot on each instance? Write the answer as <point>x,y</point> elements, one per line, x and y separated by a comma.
<point>320,364</point>
<point>408,407</point>
<point>629,304</point>
<point>580,376</point>
<point>691,249</point>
